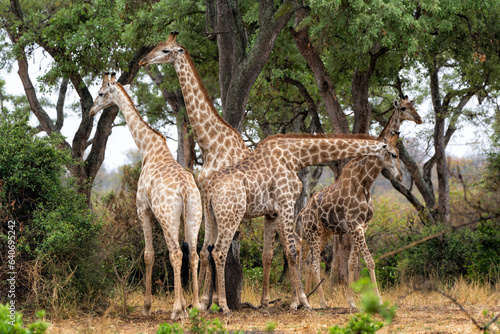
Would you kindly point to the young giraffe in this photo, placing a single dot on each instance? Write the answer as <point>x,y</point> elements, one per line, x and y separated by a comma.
<point>404,110</point>
<point>265,184</point>
<point>164,190</point>
<point>345,207</point>
<point>220,144</point>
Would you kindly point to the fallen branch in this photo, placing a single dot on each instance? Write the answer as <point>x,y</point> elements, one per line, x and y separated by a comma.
<point>317,286</point>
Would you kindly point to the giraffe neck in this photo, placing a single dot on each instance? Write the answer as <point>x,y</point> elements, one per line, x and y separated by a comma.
<point>364,170</point>
<point>298,152</point>
<point>208,126</point>
<point>392,125</point>
<point>145,137</point>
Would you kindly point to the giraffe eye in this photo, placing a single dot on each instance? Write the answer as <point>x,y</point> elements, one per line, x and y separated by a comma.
<point>166,51</point>
<point>101,94</point>
<point>403,108</point>
<point>394,155</point>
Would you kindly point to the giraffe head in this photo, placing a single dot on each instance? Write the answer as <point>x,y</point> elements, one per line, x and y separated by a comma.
<point>164,52</point>
<point>406,109</point>
<point>390,157</point>
<point>106,96</point>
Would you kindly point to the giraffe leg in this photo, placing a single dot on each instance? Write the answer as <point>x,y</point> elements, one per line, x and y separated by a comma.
<point>205,277</point>
<point>145,216</point>
<point>308,272</point>
<point>352,265</point>
<point>219,254</point>
<point>319,243</point>
<point>192,228</point>
<point>370,264</point>
<point>169,218</point>
<point>288,236</point>
<point>270,226</point>
<point>226,227</point>
<point>171,233</point>
<point>204,249</point>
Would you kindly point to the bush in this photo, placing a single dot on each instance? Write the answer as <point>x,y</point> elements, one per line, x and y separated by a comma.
<point>55,230</point>
<point>471,253</point>
<point>13,323</point>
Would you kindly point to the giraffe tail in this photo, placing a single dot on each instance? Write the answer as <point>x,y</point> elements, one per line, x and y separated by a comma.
<point>185,265</point>
<point>211,221</point>
<point>185,246</point>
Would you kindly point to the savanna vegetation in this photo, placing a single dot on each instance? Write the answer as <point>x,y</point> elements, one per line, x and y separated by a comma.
<point>270,67</point>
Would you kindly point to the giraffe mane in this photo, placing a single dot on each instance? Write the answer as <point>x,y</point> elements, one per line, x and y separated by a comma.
<point>119,86</point>
<point>205,93</point>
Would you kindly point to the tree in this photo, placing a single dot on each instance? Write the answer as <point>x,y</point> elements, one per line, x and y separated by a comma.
<point>63,30</point>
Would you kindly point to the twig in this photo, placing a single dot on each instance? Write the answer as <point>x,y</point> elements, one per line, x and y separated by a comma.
<point>248,305</point>
<point>317,286</point>
<point>461,308</point>
<point>491,321</point>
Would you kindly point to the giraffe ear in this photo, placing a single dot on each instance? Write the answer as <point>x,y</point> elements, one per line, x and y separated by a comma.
<point>127,89</point>
<point>412,102</point>
<point>396,103</point>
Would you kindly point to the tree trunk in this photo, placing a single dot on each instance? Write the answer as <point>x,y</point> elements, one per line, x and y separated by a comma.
<point>239,63</point>
<point>360,90</point>
<point>439,148</point>
<point>323,81</point>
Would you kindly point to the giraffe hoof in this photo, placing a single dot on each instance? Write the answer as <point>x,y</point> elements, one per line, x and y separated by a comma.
<point>179,314</point>
<point>146,310</point>
<point>197,306</point>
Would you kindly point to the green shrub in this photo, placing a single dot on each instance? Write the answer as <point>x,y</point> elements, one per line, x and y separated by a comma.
<point>363,323</point>
<point>13,323</point>
<point>55,230</point>
<point>471,253</point>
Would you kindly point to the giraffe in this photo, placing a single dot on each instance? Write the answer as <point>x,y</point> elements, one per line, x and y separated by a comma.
<point>165,190</point>
<point>404,110</point>
<point>345,208</point>
<point>220,143</point>
<point>265,184</point>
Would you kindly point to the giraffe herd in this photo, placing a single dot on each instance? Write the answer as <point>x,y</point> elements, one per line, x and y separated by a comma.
<point>236,183</point>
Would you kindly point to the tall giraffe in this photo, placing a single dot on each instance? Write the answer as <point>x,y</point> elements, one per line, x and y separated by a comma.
<point>265,184</point>
<point>220,144</point>
<point>404,110</point>
<point>165,190</point>
<point>346,208</point>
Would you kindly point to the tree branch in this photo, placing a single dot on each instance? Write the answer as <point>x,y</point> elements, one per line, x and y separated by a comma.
<point>60,104</point>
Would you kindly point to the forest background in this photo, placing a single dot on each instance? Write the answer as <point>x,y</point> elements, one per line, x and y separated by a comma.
<point>270,67</point>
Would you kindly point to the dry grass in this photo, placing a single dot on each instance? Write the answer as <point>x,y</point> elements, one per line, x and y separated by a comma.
<point>419,311</point>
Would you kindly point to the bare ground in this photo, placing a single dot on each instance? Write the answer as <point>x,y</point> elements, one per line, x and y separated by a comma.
<point>418,312</point>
